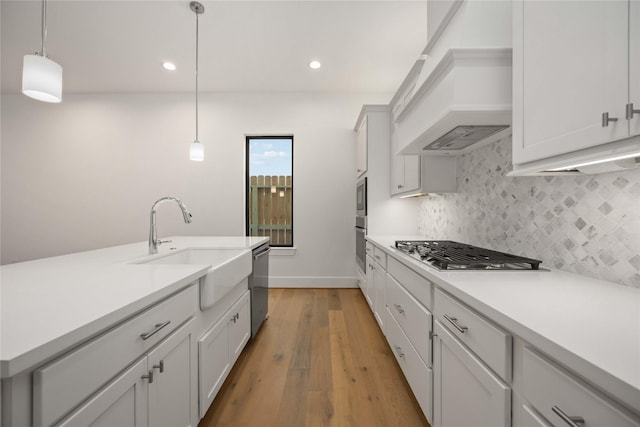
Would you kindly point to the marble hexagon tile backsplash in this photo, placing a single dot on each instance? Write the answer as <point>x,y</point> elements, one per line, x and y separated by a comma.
<point>588,224</point>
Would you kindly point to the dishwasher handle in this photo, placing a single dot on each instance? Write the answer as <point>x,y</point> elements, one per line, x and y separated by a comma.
<point>261,253</point>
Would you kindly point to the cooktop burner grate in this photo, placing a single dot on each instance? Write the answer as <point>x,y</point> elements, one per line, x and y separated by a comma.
<point>450,255</point>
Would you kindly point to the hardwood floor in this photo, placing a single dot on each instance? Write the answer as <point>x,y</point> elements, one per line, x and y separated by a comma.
<point>319,360</point>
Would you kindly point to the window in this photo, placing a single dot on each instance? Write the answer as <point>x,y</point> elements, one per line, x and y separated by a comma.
<point>270,188</point>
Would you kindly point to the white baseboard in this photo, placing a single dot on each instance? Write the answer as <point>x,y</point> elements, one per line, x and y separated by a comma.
<point>312,282</point>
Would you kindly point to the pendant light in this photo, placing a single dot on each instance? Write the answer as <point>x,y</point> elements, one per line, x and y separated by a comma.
<point>42,77</point>
<point>196,150</point>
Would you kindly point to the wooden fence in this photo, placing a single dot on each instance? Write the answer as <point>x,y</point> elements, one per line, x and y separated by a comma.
<point>270,208</point>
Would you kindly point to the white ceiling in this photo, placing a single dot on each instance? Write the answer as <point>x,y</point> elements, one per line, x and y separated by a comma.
<point>119,46</point>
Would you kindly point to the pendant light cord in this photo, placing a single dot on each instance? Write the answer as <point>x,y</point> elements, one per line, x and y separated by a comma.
<point>44,26</point>
<point>197,76</point>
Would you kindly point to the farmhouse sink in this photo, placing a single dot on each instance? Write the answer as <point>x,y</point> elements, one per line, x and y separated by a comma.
<point>228,268</point>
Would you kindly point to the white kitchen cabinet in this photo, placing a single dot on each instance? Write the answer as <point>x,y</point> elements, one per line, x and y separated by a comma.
<point>375,285</point>
<point>219,348</point>
<point>558,396</point>
<point>405,174</point>
<point>155,391</point>
<point>361,148</point>
<point>370,292</point>
<point>122,403</point>
<point>466,392</point>
<point>571,67</point>
<point>89,368</point>
<point>172,398</point>
<point>380,277</point>
<point>418,375</point>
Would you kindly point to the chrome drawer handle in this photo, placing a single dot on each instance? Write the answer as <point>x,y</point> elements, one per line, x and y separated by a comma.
<point>159,366</point>
<point>572,421</point>
<point>377,257</point>
<point>399,351</point>
<point>149,376</point>
<point>606,119</point>
<point>145,336</point>
<point>399,308</point>
<point>630,111</point>
<point>454,322</point>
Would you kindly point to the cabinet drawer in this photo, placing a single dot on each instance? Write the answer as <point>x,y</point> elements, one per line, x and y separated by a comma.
<point>547,386</point>
<point>491,343</point>
<point>414,320</point>
<point>380,257</point>
<point>369,248</point>
<point>61,385</point>
<point>418,375</point>
<point>415,284</point>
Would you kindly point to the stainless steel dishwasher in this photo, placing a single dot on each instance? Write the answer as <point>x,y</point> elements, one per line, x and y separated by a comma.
<point>259,287</point>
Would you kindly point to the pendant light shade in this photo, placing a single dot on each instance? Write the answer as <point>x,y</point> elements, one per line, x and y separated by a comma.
<point>42,77</point>
<point>196,150</point>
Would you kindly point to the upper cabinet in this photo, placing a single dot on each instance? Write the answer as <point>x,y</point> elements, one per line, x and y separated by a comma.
<point>576,82</point>
<point>361,148</point>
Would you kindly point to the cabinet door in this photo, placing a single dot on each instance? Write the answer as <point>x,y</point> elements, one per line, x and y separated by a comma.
<point>411,173</point>
<point>240,326</point>
<point>634,64</point>
<point>570,67</point>
<point>361,147</point>
<point>379,299</point>
<point>397,174</point>
<point>122,403</point>
<point>172,392</point>
<point>371,279</point>
<point>214,362</point>
<point>466,392</point>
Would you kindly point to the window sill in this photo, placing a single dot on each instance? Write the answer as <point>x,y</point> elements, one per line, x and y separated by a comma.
<point>275,251</point>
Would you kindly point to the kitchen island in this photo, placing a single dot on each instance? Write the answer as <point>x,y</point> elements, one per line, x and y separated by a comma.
<point>55,305</point>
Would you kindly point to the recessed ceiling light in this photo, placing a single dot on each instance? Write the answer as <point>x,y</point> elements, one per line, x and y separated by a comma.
<point>315,65</point>
<point>169,66</point>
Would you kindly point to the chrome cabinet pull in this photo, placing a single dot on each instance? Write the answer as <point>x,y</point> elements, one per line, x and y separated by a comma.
<point>148,376</point>
<point>399,351</point>
<point>400,186</point>
<point>630,111</point>
<point>155,330</point>
<point>399,308</point>
<point>159,366</point>
<point>606,119</point>
<point>570,420</point>
<point>377,257</point>
<point>454,322</point>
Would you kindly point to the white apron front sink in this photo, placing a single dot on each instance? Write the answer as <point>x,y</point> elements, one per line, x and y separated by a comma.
<point>228,268</point>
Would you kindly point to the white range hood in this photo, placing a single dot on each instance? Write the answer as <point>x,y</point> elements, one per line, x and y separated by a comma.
<point>465,99</point>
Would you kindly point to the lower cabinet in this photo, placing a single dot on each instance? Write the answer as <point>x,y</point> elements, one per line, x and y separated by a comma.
<point>466,392</point>
<point>122,403</point>
<point>156,391</point>
<point>555,395</point>
<point>219,348</point>
<point>418,375</point>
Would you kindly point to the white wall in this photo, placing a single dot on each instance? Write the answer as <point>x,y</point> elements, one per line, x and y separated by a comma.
<point>83,174</point>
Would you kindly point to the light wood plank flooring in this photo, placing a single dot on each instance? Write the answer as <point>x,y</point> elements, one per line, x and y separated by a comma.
<point>319,360</point>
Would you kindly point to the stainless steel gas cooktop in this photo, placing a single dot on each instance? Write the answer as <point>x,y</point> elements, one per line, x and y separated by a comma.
<point>449,255</point>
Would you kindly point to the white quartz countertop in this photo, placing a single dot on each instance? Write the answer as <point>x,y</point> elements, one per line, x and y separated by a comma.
<point>591,326</point>
<point>50,304</point>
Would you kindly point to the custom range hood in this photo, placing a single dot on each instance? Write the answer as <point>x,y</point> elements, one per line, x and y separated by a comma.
<point>464,99</point>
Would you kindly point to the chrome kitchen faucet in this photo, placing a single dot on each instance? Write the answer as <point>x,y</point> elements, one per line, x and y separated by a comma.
<point>153,233</point>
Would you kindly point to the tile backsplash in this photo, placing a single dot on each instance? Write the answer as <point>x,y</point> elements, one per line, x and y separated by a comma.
<point>587,224</point>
